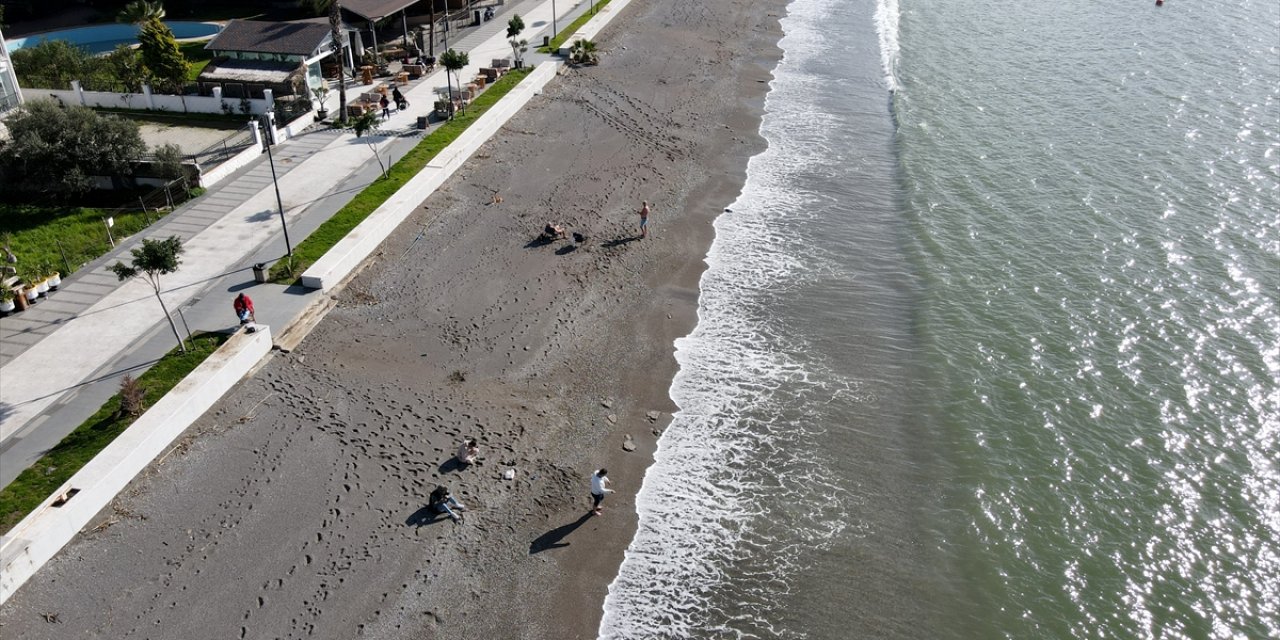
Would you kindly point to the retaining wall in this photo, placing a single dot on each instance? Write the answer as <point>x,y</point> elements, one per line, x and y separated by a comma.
<point>43,533</point>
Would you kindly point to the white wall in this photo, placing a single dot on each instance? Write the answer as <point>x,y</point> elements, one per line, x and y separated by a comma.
<point>149,101</point>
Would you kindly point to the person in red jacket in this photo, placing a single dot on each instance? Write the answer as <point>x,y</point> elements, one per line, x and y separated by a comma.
<point>244,309</point>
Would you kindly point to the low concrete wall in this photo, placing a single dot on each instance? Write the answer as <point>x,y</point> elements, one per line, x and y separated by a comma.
<point>231,165</point>
<point>43,533</point>
<point>148,101</point>
<point>352,250</point>
<point>595,25</point>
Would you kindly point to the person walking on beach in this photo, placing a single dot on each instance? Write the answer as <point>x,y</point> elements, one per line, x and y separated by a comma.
<point>244,309</point>
<point>644,219</point>
<point>599,486</point>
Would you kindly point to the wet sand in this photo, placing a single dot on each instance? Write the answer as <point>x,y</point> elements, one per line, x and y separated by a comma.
<point>295,508</point>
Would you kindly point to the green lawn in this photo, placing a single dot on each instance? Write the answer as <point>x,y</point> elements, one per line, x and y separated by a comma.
<point>557,41</point>
<point>197,55</point>
<point>39,481</point>
<point>42,235</point>
<point>337,227</point>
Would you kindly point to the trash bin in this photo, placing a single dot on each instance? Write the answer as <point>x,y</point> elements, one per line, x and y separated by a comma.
<point>422,122</point>
<point>260,272</point>
<point>546,41</point>
<point>479,17</point>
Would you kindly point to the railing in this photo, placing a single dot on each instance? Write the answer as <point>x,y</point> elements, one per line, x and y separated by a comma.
<point>214,154</point>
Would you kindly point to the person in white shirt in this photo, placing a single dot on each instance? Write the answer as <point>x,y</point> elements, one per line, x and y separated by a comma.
<point>599,487</point>
<point>467,452</point>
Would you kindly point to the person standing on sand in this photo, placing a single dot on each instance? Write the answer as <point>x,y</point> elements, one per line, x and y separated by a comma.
<point>644,219</point>
<point>599,486</point>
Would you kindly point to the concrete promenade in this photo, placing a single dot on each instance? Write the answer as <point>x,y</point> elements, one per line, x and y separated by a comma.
<point>62,359</point>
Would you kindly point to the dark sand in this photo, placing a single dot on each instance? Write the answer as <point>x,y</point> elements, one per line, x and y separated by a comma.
<point>295,507</point>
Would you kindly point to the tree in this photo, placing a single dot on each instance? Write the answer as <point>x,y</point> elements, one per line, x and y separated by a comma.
<point>334,7</point>
<point>514,26</point>
<point>141,12</point>
<point>453,62</point>
<point>363,124</point>
<point>518,46</point>
<point>153,259</point>
<point>121,70</point>
<point>55,150</point>
<point>583,52</point>
<point>162,57</point>
<point>169,160</point>
<point>52,64</point>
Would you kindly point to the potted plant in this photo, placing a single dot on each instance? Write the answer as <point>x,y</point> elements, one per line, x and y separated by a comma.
<point>29,291</point>
<point>7,305</point>
<point>321,93</point>
<point>55,278</point>
<point>37,280</point>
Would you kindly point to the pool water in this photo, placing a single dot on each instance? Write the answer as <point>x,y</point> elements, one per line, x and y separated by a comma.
<point>104,38</point>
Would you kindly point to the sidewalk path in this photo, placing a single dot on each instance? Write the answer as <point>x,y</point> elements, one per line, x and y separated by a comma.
<point>62,359</point>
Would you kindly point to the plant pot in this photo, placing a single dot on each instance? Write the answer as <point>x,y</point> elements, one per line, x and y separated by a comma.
<point>7,306</point>
<point>30,294</point>
<point>55,281</point>
<point>42,287</point>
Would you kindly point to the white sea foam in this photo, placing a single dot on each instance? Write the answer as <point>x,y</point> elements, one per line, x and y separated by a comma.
<point>709,557</point>
<point>887,27</point>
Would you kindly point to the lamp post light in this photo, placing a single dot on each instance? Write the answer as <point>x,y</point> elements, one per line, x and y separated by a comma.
<point>279,204</point>
<point>554,32</point>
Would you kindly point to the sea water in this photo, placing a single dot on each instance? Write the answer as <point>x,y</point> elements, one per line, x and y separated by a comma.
<point>989,345</point>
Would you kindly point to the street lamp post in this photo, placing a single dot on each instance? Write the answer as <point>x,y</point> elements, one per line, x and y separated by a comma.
<point>554,32</point>
<point>279,204</point>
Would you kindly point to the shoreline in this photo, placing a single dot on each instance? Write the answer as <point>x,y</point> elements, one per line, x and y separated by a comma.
<point>294,507</point>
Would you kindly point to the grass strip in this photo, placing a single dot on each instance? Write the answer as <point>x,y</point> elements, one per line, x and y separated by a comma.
<point>39,481</point>
<point>41,235</point>
<point>573,27</point>
<point>348,217</point>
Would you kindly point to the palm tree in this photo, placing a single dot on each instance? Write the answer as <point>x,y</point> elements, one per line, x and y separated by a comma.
<point>583,51</point>
<point>334,7</point>
<point>140,11</point>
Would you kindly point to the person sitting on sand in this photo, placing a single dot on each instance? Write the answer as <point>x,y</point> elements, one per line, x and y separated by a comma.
<point>553,231</point>
<point>468,451</point>
<point>440,501</point>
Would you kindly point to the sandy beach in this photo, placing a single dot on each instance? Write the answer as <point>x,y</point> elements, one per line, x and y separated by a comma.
<point>296,507</point>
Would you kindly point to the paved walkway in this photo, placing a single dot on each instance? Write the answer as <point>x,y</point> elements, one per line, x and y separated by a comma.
<point>64,357</point>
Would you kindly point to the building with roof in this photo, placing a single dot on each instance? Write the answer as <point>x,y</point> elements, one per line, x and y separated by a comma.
<point>251,56</point>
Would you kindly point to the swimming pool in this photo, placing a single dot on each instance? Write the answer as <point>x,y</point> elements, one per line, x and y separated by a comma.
<point>103,38</point>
